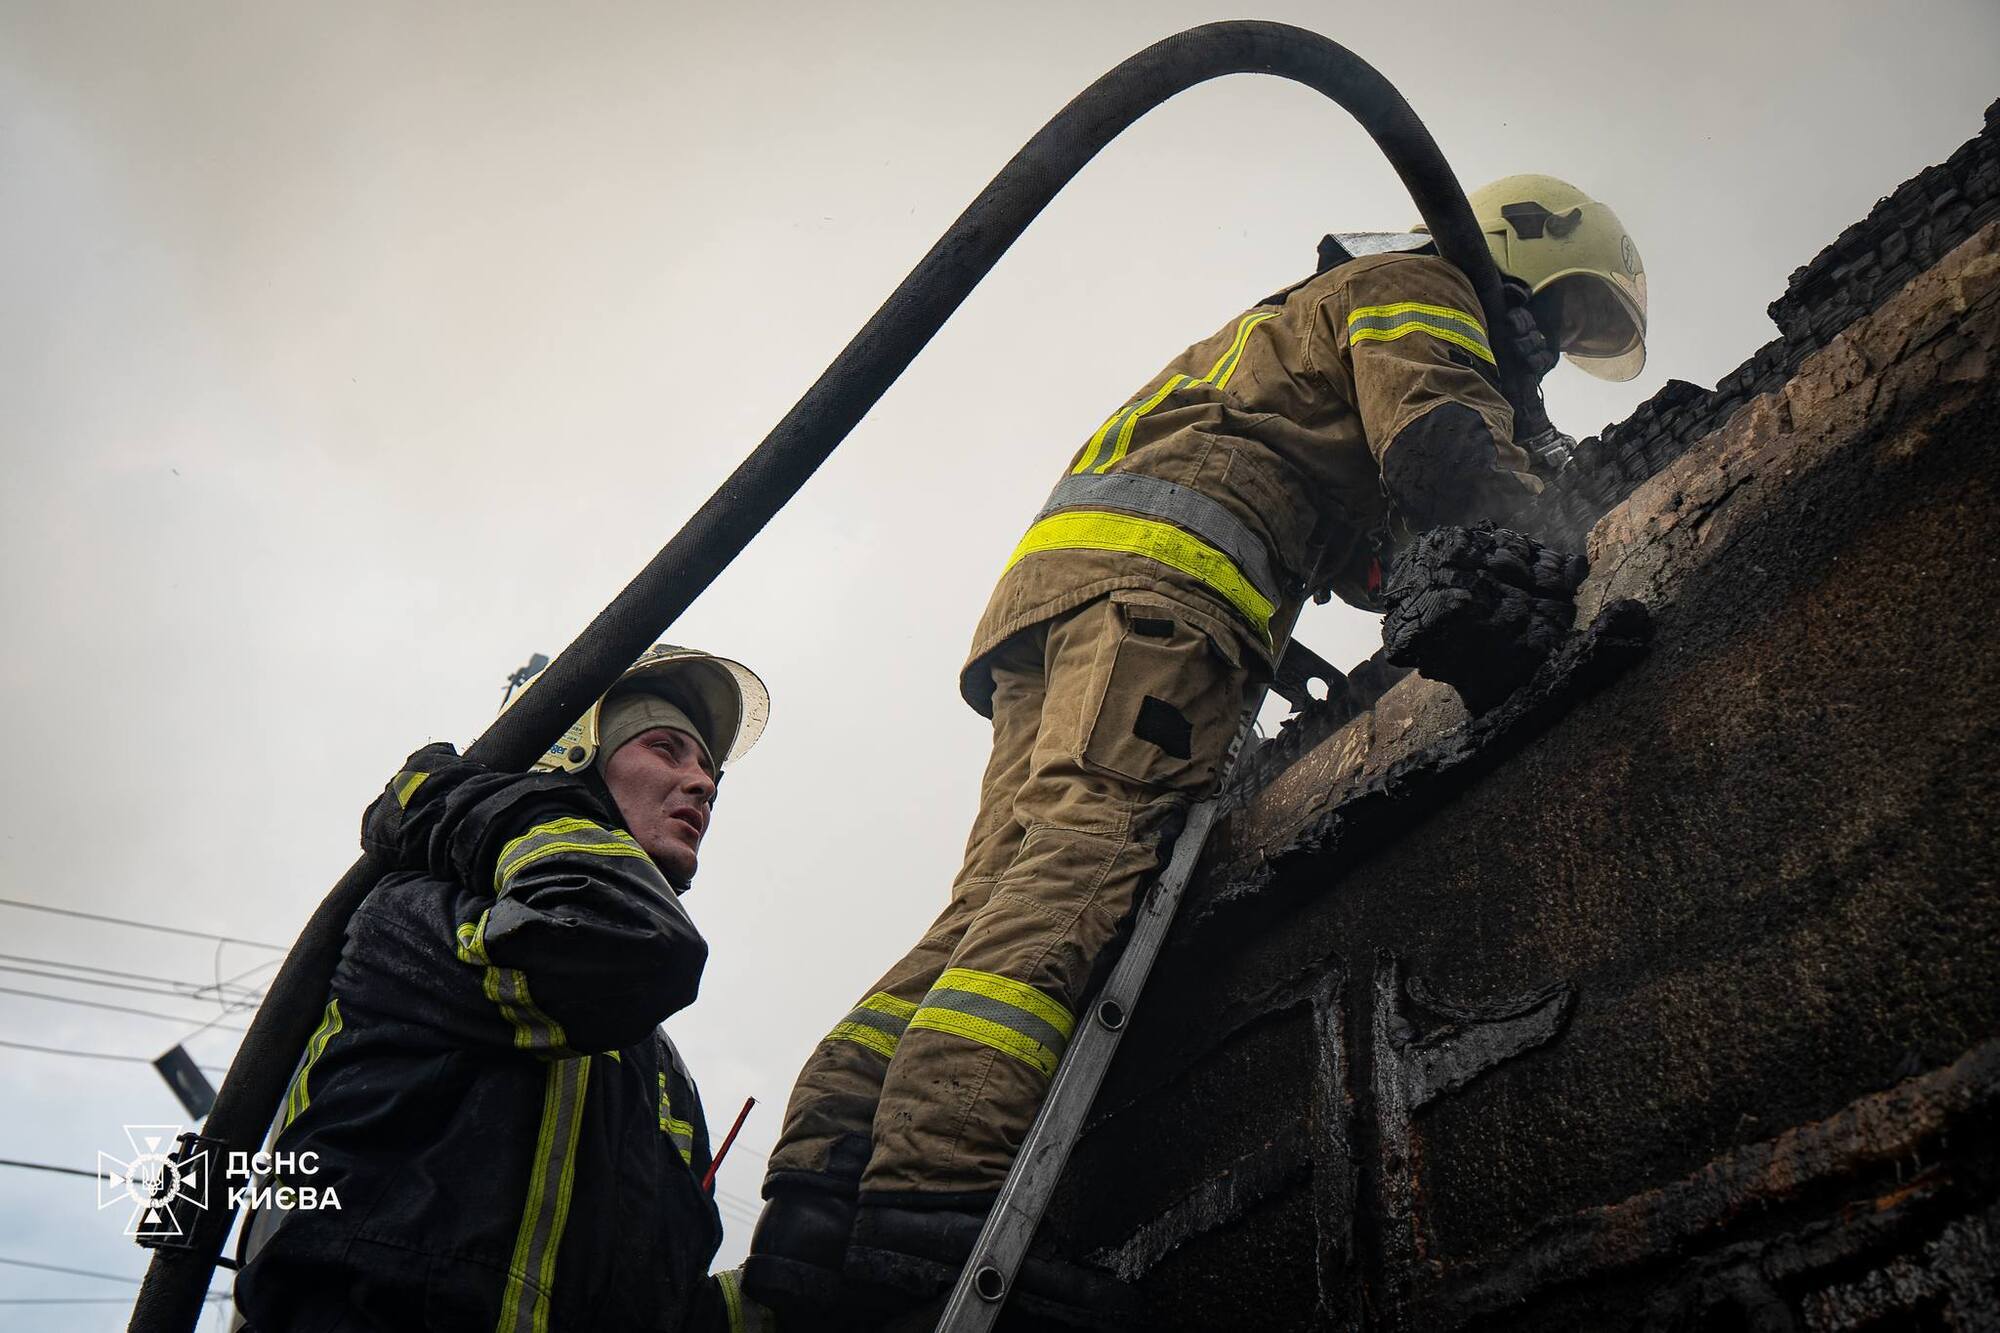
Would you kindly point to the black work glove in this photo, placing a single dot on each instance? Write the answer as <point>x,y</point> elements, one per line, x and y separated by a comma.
<point>1523,334</point>
<point>396,829</point>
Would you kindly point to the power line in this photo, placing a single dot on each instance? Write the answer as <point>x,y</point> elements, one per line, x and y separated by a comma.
<point>209,1299</point>
<point>80,1272</point>
<point>117,1008</point>
<point>228,984</point>
<point>138,925</point>
<point>73,1272</point>
<point>92,1055</point>
<point>137,987</point>
<point>59,1170</point>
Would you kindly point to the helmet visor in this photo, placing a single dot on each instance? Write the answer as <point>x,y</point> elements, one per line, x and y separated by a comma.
<point>1600,322</point>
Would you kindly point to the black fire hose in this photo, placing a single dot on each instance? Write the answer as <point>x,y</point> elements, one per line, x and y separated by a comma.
<point>172,1298</point>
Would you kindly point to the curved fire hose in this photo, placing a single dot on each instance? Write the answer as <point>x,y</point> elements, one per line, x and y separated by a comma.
<point>171,1300</point>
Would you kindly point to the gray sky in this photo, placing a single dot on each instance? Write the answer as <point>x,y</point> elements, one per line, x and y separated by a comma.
<point>350,353</point>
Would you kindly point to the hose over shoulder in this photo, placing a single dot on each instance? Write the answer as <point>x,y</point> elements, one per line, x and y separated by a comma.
<point>171,1299</point>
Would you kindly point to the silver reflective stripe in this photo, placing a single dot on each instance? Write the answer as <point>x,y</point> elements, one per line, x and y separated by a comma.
<point>998,1011</point>
<point>1190,510</point>
<point>1359,243</point>
<point>887,1023</point>
<point>531,1274</point>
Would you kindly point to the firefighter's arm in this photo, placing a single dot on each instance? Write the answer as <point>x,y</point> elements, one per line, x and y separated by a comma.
<point>565,924</point>
<point>1408,332</point>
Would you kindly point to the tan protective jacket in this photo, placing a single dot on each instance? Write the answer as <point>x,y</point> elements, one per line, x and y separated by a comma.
<point>1248,471</point>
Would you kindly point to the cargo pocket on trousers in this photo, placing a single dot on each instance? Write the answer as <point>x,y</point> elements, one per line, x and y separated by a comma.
<point>1171,701</point>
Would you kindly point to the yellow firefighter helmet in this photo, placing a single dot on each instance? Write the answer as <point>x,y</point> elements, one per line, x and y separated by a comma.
<point>724,698</point>
<point>1577,259</point>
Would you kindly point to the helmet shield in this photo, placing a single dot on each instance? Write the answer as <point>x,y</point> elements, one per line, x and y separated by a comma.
<point>725,698</point>
<point>1577,259</point>
<point>1599,321</point>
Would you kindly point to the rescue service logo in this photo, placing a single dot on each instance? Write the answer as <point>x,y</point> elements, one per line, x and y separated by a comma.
<point>163,1186</point>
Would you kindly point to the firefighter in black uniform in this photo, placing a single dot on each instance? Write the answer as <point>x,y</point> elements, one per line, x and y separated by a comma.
<point>512,1141</point>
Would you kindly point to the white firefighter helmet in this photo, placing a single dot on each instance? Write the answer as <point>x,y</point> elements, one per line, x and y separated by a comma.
<point>724,698</point>
<point>1577,259</point>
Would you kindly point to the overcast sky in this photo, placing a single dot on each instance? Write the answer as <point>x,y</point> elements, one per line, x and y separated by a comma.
<point>350,353</point>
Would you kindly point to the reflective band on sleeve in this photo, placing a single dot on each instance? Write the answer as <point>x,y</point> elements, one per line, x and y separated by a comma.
<point>680,1131</point>
<point>405,786</point>
<point>1386,323</point>
<point>1156,497</point>
<point>329,1027</point>
<point>877,1023</point>
<point>581,836</point>
<point>1117,431</point>
<point>531,1274</point>
<point>1093,530</point>
<point>507,987</point>
<point>999,1012</point>
<point>745,1314</point>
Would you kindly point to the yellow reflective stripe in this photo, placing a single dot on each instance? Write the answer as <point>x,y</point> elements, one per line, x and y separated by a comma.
<point>507,987</point>
<point>582,836</point>
<point>1095,530</point>
<point>1386,323</point>
<point>406,785</point>
<point>861,1034</point>
<point>1008,991</point>
<point>884,1003</point>
<point>1007,1015</point>
<point>300,1097</point>
<point>732,1299</point>
<point>472,941</point>
<point>1225,366</point>
<point>531,1273</point>
<point>989,1033</point>
<point>1119,426</point>
<point>1097,441</point>
<point>863,1027</point>
<point>680,1131</point>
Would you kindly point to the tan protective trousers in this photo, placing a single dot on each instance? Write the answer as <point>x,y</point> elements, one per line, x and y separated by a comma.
<point>1107,723</point>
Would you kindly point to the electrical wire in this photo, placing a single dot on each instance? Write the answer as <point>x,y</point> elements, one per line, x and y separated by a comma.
<point>229,984</point>
<point>73,1272</point>
<point>137,987</point>
<point>94,1055</point>
<point>120,1009</point>
<point>138,925</point>
<point>88,1300</point>
<point>59,1170</point>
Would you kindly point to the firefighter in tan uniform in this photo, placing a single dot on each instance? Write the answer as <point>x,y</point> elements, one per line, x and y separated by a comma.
<point>1290,452</point>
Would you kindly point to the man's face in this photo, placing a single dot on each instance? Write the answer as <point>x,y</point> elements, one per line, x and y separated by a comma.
<point>663,787</point>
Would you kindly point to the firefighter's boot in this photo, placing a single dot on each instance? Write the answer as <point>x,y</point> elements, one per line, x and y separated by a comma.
<point>800,1245</point>
<point>902,1256</point>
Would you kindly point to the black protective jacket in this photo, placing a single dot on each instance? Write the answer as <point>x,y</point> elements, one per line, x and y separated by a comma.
<point>513,1142</point>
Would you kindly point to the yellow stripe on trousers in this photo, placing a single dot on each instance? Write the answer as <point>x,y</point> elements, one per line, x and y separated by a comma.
<point>876,1023</point>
